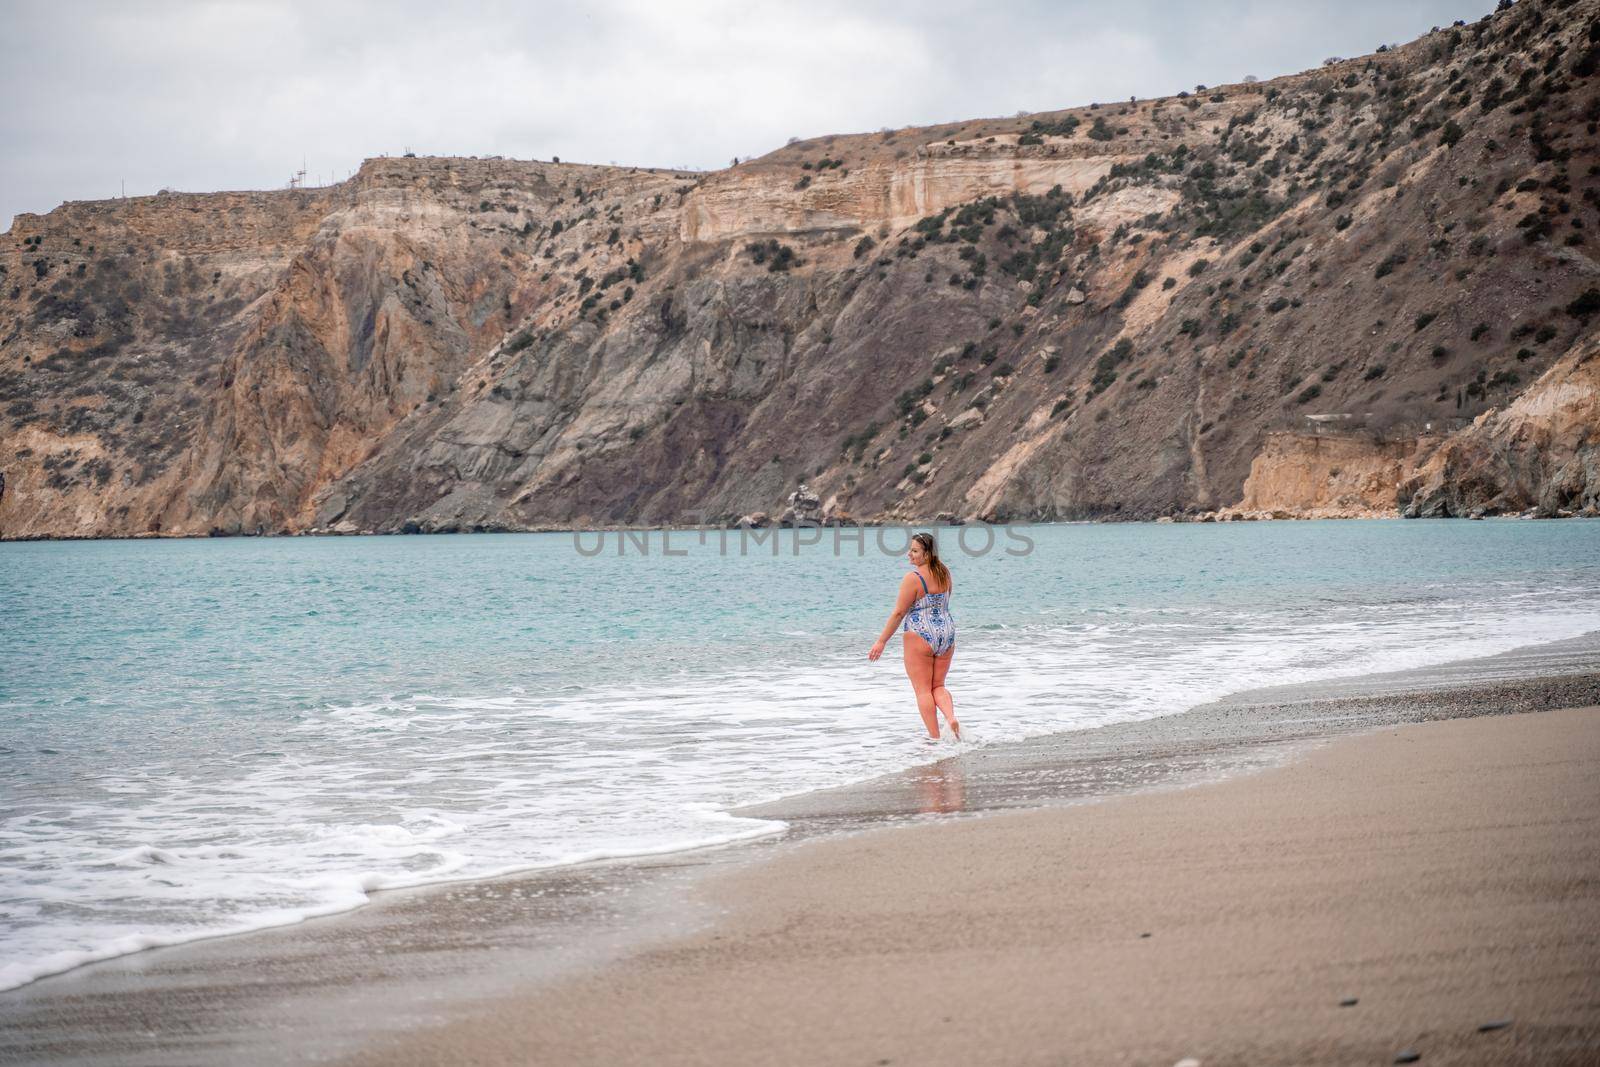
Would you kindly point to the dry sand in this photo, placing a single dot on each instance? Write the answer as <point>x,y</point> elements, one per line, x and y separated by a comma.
<point>1446,874</point>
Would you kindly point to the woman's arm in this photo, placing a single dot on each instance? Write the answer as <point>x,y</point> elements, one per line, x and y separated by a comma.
<point>902,604</point>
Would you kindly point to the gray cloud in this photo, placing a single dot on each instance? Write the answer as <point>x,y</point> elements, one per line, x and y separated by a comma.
<point>234,94</point>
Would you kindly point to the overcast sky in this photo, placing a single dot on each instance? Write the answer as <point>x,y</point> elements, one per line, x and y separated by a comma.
<point>234,94</point>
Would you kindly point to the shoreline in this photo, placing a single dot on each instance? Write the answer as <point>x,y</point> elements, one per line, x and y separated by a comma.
<point>1161,518</point>
<point>1204,742</point>
<point>546,924</point>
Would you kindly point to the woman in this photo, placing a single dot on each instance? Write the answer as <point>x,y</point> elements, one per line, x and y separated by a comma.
<point>930,633</point>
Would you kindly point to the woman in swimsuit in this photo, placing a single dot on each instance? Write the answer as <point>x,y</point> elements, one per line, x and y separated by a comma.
<point>930,633</point>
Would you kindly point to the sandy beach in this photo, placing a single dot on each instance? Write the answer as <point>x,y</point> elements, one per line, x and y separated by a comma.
<point>1443,875</point>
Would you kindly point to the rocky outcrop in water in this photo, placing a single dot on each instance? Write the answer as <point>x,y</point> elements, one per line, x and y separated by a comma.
<point>1357,290</point>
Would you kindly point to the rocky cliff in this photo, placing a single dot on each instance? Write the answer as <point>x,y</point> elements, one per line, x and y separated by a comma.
<point>1366,289</point>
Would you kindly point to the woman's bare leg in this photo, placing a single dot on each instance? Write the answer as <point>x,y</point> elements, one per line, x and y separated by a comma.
<point>941,696</point>
<point>919,668</point>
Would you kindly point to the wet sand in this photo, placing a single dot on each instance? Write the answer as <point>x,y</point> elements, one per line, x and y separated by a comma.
<point>486,971</point>
<point>1443,875</point>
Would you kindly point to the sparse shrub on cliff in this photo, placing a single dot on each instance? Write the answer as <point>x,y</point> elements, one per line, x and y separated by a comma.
<point>1535,226</point>
<point>1389,264</point>
<point>1374,372</point>
<point>1586,304</point>
<point>805,180</point>
<point>520,341</point>
<point>865,245</point>
<point>1198,267</point>
<point>1277,305</point>
<point>1450,134</point>
<point>777,257</point>
<point>854,444</point>
<point>932,224</point>
<point>1140,280</point>
<point>1063,127</point>
<point>1479,330</point>
<point>973,216</point>
<point>1309,393</point>
<point>1105,368</point>
<point>1100,131</point>
<point>909,398</point>
<point>1422,320</point>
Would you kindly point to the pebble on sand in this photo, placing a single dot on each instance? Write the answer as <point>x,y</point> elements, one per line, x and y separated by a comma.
<point>1410,1055</point>
<point>1349,1002</point>
<point>1497,1024</point>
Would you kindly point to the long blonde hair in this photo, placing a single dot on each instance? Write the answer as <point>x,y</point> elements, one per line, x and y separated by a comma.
<point>935,564</point>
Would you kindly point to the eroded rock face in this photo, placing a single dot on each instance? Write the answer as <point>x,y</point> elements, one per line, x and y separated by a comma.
<point>1328,475</point>
<point>1541,452</point>
<point>1170,307</point>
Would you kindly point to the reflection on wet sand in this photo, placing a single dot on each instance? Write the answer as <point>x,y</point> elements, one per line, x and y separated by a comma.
<point>942,788</point>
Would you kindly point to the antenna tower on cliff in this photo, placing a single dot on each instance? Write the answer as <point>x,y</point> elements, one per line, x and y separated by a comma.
<point>298,179</point>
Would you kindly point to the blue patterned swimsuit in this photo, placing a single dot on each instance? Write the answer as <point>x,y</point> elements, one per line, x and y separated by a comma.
<point>929,618</point>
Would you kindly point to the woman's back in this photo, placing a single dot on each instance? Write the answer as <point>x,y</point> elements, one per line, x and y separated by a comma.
<point>930,582</point>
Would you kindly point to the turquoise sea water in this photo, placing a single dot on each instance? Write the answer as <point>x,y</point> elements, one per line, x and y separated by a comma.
<point>205,736</point>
